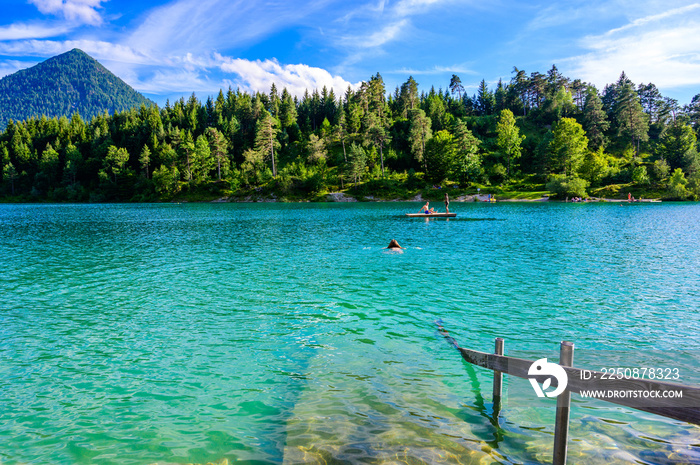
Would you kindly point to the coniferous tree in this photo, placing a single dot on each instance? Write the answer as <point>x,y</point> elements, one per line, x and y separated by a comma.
<point>358,161</point>
<point>187,147</point>
<point>519,86</point>
<point>408,96</point>
<point>219,147</point>
<point>632,122</point>
<point>341,131</point>
<point>266,138</point>
<point>595,121</point>
<point>485,101</point>
<point>500,97</point>
<point>679,147</point>
<point>419,134</point>
<point>376,134</point>
<point>456,86</point>
<point>145,159</point>
<point>692,110</point>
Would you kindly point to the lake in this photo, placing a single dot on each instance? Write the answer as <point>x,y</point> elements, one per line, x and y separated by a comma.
<point>286,333</point>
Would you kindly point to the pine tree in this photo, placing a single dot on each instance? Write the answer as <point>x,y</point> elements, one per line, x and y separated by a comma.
<point>632,122</point>
<point>266,138</point>
<point>419,134</point>
<point>595,120</point>
<point>341,130</point>
<point>456,86</point>
<point>73,161</point>
<point>219,146</point>
<point>408,96</point>
<point>145,159</point>
<point>376,134</point>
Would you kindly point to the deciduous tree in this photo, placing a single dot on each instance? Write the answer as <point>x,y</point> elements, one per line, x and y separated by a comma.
<point>568,147</point>
<point>115,160</point>
<point>509,138</point>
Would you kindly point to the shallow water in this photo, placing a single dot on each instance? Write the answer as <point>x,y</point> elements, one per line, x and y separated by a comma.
<point>285,333</point>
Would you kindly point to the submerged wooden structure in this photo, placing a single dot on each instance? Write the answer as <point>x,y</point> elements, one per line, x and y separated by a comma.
<point>579,382</point>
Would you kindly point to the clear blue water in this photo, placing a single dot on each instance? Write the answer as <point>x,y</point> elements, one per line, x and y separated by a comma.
<point>286,333</point>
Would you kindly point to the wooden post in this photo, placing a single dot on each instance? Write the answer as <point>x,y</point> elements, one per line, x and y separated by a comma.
<point>497,375</point>
<point>561,427</point>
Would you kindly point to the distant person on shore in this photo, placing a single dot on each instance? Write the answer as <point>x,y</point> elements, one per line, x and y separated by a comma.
<point>425,208</point>
<point>447,203</point>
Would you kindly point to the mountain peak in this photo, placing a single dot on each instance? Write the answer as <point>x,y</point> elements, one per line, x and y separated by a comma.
<point>62,85</point>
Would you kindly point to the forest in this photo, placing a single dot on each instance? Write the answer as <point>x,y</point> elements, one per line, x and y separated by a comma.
<point>538,134</point>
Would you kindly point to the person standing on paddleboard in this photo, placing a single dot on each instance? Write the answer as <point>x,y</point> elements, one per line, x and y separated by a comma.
<point>447,203</point>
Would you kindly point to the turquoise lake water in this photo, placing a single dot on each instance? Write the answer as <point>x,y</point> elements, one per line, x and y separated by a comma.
<point>285,333</point>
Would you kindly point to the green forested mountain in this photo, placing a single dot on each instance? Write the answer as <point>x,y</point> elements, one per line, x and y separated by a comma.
<point>72,82</point>
<point>537,133</point>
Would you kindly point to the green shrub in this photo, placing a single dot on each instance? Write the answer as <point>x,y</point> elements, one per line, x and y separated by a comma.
<point>567,186</point>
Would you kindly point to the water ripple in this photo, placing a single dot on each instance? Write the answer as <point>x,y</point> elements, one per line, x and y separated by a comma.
<point>285,334</point>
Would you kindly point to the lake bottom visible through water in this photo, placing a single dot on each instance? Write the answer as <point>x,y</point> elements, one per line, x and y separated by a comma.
<point>287,333</point>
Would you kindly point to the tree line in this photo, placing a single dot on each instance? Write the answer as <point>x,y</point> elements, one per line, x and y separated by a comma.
<point>541,127</point>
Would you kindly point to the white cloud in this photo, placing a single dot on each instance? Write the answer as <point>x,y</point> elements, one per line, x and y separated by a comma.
<point>200,26</point>
<point>655,18</point>
<point>260,75</point>
<point>11,66</point>
<point>100,50</point>
<point>435,70</point>
<point>413,7</point>
<point>19,31</point>
<point>170,80</point>
<point>381,37</point>
<point>662,48</point>
<point>82,11</point>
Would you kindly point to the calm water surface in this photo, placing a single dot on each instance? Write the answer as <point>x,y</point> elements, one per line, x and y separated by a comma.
<point>285,333</point>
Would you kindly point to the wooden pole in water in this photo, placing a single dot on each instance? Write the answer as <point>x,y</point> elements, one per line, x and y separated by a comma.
<point>497,375</point>
<point>561,427</point>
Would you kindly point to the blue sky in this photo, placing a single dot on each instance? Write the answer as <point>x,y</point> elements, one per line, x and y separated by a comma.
<point>167,49</point>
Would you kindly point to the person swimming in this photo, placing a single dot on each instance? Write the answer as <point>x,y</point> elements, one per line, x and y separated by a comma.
<point>394,245</point>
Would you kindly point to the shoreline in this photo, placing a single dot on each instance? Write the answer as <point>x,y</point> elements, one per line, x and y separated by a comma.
<point>339,197</point>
